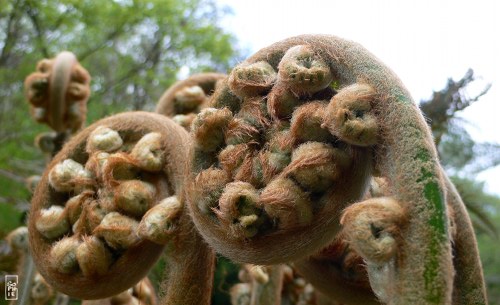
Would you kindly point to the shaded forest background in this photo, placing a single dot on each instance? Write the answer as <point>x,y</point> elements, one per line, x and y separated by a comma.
<point>135,49</point>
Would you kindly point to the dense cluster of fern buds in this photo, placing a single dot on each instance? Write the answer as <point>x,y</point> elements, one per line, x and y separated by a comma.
<point>310,152</point>
<point>105,212</point>
<point>104,197</point>
<point>270,156</point>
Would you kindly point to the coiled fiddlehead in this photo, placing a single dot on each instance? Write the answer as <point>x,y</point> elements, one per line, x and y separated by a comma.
<point>184,99</point>
<point>261,209</point>
<point>58,92</point>
<point>88,222</point>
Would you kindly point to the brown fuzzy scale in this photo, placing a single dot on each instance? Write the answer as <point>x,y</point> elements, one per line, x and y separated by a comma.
<point>104,139</point>
<point>74,206</point>
<point>223,97</point>
<point>232,157</point>
<point>209,128</point>
<point>53,222</point>
<point>251,79</point>
<point>238,207</point>
<point>254,111</point>
<point>118,167</point>
<point>303,71</point>
<point>58,92</point>
<point>62,257</point>
<point>136,261</point>
<point>119,231</point>
<point>96,163</point>
<point>251,171</point>
<point>316,166</point>
<point>281,142</point>
<point>373,228</point>
<point>134,197</point>
<point>240,132</point>
<point>167,103</point>
<point>91,216</point>
<point>281,102</point>
<point>94,259</point>
<point>269,165</point>
<point>306,124</point>
<point>287,204</point>
<point>159,223</point>
<point>349,115</point>
<point>70,176</point>
<point>207,188</point>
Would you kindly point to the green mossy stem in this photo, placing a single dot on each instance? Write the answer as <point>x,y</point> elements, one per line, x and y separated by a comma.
<point>138,259</point>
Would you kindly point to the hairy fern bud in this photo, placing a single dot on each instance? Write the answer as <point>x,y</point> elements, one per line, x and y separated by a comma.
<point>53,222</point>
<point>104,139</point>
